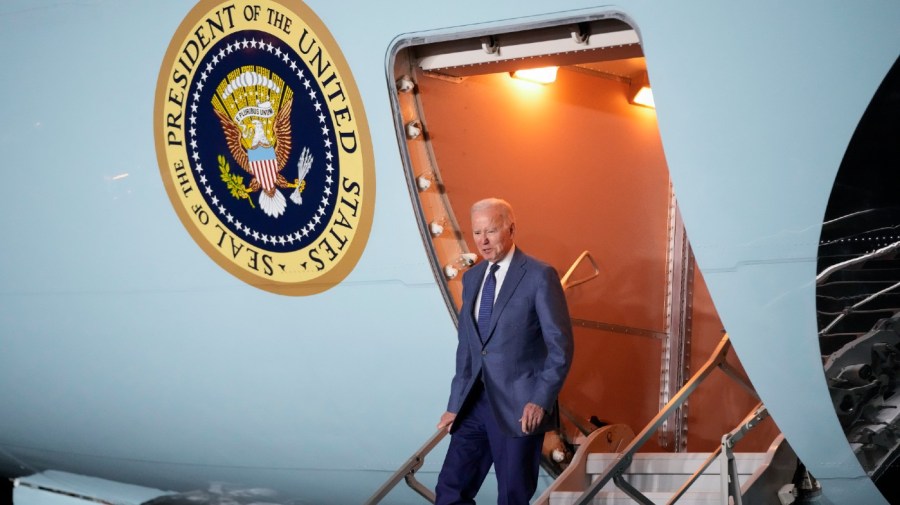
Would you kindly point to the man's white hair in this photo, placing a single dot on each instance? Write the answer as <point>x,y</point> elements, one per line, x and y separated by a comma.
<point>506,210</point>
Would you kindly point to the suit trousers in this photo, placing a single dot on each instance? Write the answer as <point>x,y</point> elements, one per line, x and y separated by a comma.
<point>476,443</point>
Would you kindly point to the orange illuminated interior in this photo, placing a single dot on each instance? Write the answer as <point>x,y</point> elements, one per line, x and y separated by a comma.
<point>584,170</point>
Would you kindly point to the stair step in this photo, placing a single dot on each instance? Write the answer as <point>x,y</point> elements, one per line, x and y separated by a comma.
<point>685,463</point>
<point>665,473</point>
<point>666,483</point>
<point>619,498</point>
<point>674,462</point>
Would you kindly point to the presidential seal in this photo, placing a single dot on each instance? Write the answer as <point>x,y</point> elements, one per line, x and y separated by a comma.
<point>263,144</point>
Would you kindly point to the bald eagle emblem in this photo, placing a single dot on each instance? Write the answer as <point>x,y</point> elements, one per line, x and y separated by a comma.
<point>254,109</point>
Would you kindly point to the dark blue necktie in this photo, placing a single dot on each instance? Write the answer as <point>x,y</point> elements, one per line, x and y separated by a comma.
<point>487,301</point>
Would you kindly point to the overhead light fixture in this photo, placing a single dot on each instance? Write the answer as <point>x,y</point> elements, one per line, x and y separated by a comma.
<point>413,129</point>
<point>543,75</point>
<point>450,272</point>
<point>640,93</point>
<point>436,229</point>
<point>644,97</point>
<point>423,182</point>
<point>467,259</point>
<point>405,84</point>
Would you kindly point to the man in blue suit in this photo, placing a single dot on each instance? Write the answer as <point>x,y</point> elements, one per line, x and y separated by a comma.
<point>511,361</point>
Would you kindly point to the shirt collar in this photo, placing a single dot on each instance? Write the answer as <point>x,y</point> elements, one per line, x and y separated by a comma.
<point>505,262</point>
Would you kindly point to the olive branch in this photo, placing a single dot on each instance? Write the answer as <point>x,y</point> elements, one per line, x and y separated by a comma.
<point>234,182</point>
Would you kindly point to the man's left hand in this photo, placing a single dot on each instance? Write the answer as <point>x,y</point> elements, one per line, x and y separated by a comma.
<point>532,415</point>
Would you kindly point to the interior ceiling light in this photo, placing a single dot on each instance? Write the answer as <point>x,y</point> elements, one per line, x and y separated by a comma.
<point>644,97</point>
<point>543,75</point>
<point>640,92</point>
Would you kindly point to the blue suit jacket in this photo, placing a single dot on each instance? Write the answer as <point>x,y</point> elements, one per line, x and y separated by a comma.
<point>527,352</point>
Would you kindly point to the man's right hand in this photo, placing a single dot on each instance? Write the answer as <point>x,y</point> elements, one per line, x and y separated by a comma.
<point>446,421</point>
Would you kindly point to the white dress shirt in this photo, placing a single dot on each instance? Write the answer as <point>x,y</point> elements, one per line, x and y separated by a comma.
<point>500,275</point>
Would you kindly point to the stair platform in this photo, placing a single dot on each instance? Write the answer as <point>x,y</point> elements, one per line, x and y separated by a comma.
<point>659,475</point>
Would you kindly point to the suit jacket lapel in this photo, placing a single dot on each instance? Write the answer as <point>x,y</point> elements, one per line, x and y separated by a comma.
<point>510,282</point>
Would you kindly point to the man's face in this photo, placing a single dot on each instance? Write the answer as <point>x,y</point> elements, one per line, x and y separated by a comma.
<point>492,238</point>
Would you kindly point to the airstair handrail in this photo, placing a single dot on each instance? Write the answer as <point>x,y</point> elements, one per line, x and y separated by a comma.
<point>615,470</point>
<point>730,486</point>
<point>566,284</point>
<point>408,470</point>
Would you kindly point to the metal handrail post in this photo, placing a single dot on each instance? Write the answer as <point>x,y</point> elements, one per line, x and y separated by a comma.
<point>630,490</point>
<point>408,469</point>
<point>420,488</point>
<point>732,487</point>
<point>622,462</point>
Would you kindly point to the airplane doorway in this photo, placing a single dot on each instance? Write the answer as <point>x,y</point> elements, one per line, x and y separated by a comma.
<point>585,169</point>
